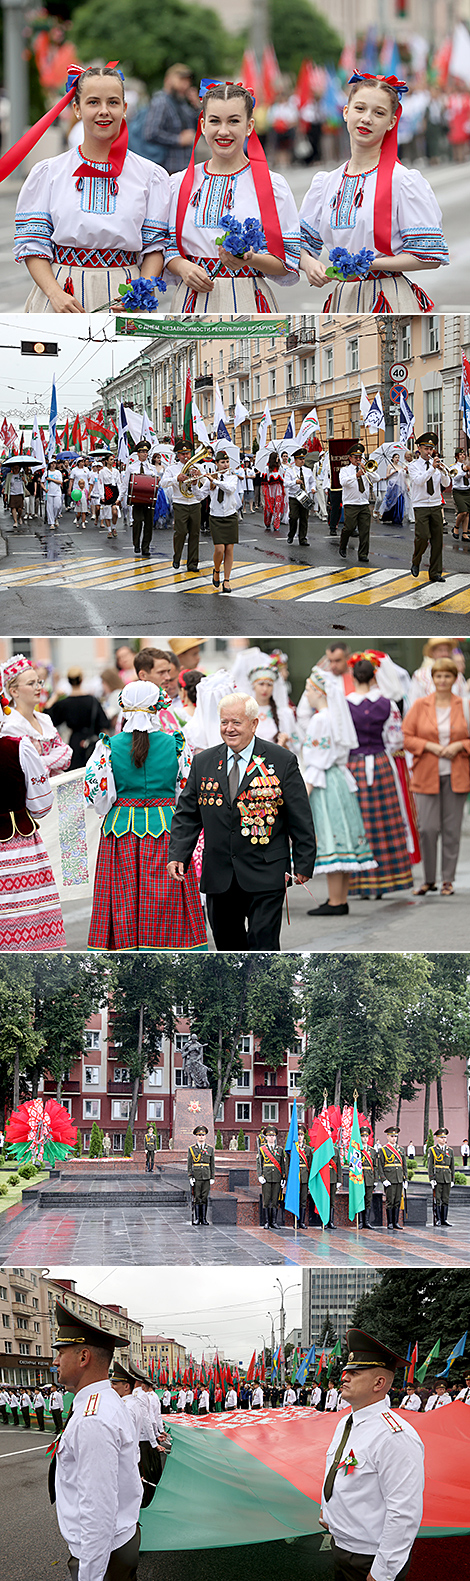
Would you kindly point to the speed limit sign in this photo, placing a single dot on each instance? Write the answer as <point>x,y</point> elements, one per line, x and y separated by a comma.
<point>398,372</point>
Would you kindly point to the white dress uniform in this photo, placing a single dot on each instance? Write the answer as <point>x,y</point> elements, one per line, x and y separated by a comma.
<point>257,1398</point>
<point>203,1402</point>
<point>331,1400</point>
<point>136,1408</point>
<point>315,1397</point>
<point>411,1402</point>
<point>377,1507</point>
<point>290,1397</point>
<point>181,1401</point>
<point>352,494</point>
<point>420,473</point>
<point>98,1487</point>
<point>464,1396</point>
<point>152,1406</point>
<point>168,482</point>
<point>56,1401</point>
<point>231,1400</point>
<point>436,1400</point>
<point>229,483</point>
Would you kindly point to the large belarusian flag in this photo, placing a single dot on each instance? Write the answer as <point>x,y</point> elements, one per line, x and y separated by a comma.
<point>357,1195</point>
<point>257,1477</point>
<point>319,1177</point>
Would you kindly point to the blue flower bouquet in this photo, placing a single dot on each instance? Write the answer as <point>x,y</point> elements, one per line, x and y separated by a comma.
<point>239,239</point>
<point>138,296</point>
<point>348,266</point>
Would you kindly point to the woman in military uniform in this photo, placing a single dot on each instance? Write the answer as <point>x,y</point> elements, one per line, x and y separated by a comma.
<point>441,1171</point>
<point>271,1174</point>
<point>201,1171</point>
<point>392,1170</point>
<point>369,1171</point>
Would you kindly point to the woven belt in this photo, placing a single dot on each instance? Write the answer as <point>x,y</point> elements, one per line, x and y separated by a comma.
<point>217,270</point>
<point>145,801</point>
<point>81,258</point>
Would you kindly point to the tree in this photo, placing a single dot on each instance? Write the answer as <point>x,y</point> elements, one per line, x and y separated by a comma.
<point>241,1141</point>
<point>67,990</point>
<point>422,1304</point>
<point>328,1334</point>
<point>20,1040</point>
<point>146,48</point>
<point>78,1149</point>
<point>128,1142</point>
<point>230,995</point>
<point>299,32</point>
<point>144,992</point>
<point>95,1141</point>
<point>356,1014</point>
<point>218,1142</point>
<point>439,1025</point>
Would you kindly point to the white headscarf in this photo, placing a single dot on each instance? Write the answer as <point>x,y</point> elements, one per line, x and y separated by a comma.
<point>141,703</point>
<point>203,729</point>
<point>341,724</point>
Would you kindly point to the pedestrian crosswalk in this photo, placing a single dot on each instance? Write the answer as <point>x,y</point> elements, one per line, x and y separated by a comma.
<point>260,579</point>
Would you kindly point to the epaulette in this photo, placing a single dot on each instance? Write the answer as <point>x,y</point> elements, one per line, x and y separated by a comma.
<point>392,1423</point>
<point>92,1405</point>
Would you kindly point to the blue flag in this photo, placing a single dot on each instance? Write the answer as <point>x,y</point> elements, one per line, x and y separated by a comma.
<point>222,431</point>
<point>457,1351</point>
<point>292,1202</point>
<point>307,1361</point>
<point>407,421</point>
<point>289,433</point>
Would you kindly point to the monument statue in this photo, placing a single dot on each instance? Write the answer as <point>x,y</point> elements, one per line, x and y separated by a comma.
<point>193,1063</point>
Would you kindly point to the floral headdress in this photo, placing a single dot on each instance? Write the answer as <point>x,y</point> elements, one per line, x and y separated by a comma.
<point>373,656</point>
<point>8,671</point>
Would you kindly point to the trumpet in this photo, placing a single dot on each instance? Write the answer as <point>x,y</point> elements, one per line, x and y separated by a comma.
<point>189,472</point>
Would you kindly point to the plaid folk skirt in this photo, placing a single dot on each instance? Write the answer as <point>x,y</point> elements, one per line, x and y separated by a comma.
<point>384,829</point>
<point>136,905</point>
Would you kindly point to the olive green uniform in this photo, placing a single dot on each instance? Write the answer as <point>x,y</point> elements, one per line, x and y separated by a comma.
<point>201,1169</point>
<point>335,1177</point>
<point>305,1164</point>
<point>369,1172</point>
<point>271,1164</point>
<point>392,1166</point>
<point>441,1168</point>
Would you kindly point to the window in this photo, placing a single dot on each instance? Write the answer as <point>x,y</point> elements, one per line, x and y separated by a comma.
<point>245,1045</point>
<point>243,1111</point>
<point>3,1292</point>
<point>328,362</point>
<point>221,363</point>
<point>289,376</point>
<point>245,1079</point>
<point>433,413</point>
<point>20,1298</point>
<point>270,1111</point>
<point>155,1109</point>
<point>38,1350</point>
<point>8,1347</point>
<point>272,381</point>
<point>155,1078</point>
<point>352,354</point>
<point>37,1328</point>
<point>92,1040</point>
<point>118,1141</point>
<point>5,1320</point>
<point>92,1075</point>
<point>122,1073</point>
<point>330,422</point>
<point>181,1040</point>
<point>232,395</point>
<point>257,386</point>
<point>91,1108</point>
<point>67,1104</point>
<point>120,1108</point>
<point>220,1113</point>
<point>405,341</point>
<point>295,1078</point>
<point>24,1349</point>
<point>22,1322</point>
<point>432,326</point>
<point>181,1078</point>
<point>300,1111</point>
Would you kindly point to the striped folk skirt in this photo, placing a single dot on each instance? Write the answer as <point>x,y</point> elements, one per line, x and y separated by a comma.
<point>136,905</point>
<point>384,829</point>
<point>30,914</point>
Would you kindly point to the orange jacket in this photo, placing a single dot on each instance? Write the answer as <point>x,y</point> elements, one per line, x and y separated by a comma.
<point>420,726</point>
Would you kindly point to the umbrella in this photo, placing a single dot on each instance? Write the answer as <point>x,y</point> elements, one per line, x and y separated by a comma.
<point>22,461</point>
<point>231,449</point>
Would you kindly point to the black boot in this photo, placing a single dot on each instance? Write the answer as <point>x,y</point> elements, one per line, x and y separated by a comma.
<point>204,1212</point>
<point>446,1219</point>
<point>396,1217</point>
<point>369,1223</point>
<point>270,1216</point>
<point>199,1210</point>
<point>331,1225</point>
<point>389,1218</point>
<point>266,1219</point>
<point>443,1213</point>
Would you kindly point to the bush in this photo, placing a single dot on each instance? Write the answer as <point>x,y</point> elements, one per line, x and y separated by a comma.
<point>128,1144</point>
<point>241,1141</point>
<point>460,1178</point>
<point>78,1149</point>
<point>28,1171</point>
<point>428,1143</point>
<point>3,1190</point>
<point>13,1180</point>
<point>218,1142</point>
<point>95,1141</point>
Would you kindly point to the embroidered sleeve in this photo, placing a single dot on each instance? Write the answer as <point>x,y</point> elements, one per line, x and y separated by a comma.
<point>310,217</point>
<point>419,219</point>
<point>39,795</point>
<point>290,227</point>
<point>34,224</point>
<point>155,225</point>
<point>393,732</point>
<point>99,788</point>
<point>171,249</point>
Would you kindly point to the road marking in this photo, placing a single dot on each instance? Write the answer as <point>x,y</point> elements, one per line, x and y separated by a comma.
<point>431,593</point>
<point>12,1452</point>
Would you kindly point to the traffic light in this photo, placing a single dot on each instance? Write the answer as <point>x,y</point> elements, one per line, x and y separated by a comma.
<point>39,348</point>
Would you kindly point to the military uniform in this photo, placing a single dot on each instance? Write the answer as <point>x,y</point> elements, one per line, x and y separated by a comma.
<point>441,1168</point>
<point>305,1164</point>
<point>372,1499</point>
<point>271,1167</point>
<point>201,1170</point>
<point>393,1169</point>
<point>335,1177</point>
<point>39,1405</point>
<point>369,1171</point>
<point>150,1143</point>
<point>3,1406</point>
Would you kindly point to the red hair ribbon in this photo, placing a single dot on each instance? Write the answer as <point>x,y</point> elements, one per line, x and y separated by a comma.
<point>15,155</point>
<point>263,188</point>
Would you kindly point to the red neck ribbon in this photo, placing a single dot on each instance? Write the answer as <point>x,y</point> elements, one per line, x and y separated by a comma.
<point>383,192</point>
<point>115,162</point>
<point>264,193</point>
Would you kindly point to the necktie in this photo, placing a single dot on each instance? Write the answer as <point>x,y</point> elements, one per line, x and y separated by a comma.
<point>141,468</point>
<point>330,1479</point>
<point>52,1462</point>
<point>234,777</point>
<point>429,482</point>
<point>220,496</point>
<point>360,484</point>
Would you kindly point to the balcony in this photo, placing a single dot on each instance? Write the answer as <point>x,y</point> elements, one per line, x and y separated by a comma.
<point>239,365</point>
<point>67,1086</point>
<point>123,1088</point>
<point>271,1094</point>
<point>300,394</point>
<point>301,338</point>
<point>205,381</point>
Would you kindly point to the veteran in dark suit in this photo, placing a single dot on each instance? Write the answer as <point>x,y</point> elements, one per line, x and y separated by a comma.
<point>249,797</point>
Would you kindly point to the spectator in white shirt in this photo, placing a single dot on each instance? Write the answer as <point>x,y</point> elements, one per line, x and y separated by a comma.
<point>440,1397</point>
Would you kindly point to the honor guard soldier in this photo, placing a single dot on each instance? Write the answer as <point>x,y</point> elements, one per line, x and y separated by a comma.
<point>441,1171</point>
<point>368,1169</point>
<point>305,1164</point>
<point>331,1398</point>
<point>201,1171</point>
<point>372,1500</point>
<point>411,1402</point>
<point>56,1404</point>
<point>39,1405</point>
<point>271,1173</point>
<point>152,1445</point>
<point>392,1170</point>
<point>335,1177</point>
<point>4,1402</point>
<point>14,1406</point>
<point>94,1477</point>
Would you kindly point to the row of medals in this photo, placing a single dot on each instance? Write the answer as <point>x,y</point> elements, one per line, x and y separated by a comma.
<point>210,785</point>
<point>259,813</point>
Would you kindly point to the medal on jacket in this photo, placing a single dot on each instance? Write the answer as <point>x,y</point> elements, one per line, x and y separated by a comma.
<point>259,804</point>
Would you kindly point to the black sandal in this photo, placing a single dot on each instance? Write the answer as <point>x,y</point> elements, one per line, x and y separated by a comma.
<point>214,582</point>
<point>226,588</point>
<point>465,537</point>
<point>456,533</point>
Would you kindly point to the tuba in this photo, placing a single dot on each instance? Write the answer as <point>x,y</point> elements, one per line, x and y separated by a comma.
<point>203,454</point>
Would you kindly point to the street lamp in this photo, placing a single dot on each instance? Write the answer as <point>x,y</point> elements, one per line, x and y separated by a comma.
<point>273,1336</point>
<point>16,70</point>
<point>283,1320</point>
<point>388,332</point>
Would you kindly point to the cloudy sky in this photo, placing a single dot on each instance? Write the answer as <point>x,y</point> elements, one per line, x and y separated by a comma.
<point>201,1307</point>
<point>81,366</point>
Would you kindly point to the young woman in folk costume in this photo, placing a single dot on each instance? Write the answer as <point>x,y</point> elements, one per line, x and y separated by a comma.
<point>373,202</point>
<point>96,216</point>
<point>30,914</point>
<point>211,279</point>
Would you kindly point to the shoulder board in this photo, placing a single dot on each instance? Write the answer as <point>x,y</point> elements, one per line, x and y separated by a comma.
<point>92,1405</point>
<point>392,1422</point>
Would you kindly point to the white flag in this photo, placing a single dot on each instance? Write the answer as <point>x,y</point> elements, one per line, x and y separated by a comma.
<point>241,415</point>
<point>375,417</point>
<point>199,425</point>
<point>407,421</point>
<point>147,432</point>
<point>266,422</point>
<point>309,426</point>
<point>219,413</point>
<point>459,64</point>
<point>364,404</point>
<point>37,447</point>
<point>134,423</point>
<point>123,448</point>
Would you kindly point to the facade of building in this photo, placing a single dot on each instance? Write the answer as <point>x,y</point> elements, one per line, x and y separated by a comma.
<point>432,20</point>
<point>25,1335</point>
<point>413,1127</point>
<point>114,1318</point>
<point>333,1291</point>
<point>158,1351</point>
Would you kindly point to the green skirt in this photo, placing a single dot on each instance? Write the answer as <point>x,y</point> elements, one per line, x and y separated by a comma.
<point>341,839</point>
<point>224,529</point>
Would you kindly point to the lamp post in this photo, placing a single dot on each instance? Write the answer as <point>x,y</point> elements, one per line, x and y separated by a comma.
<point>282,1316</point>
<point>388,332</point>
<point>273,1336</point>
<point>16,69</point>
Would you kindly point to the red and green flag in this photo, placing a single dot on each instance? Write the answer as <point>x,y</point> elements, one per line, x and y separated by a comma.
<point>251,1370</point>
<point>410,1372</point>
<point>357,1195</point>
<point>319,1178</point>
<point>320,1365</point>
<point>188,426</point>
<point>77,433</point>
<point>295,1364</point>
<point>421,1371</point>
<point>335,1353</point>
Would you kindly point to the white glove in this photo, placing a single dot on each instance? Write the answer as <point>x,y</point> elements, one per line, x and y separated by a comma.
<point>212,1182</point>
<point>434,1183</point>
<point>452,1183</point>
<point>283,1185</point>
<point>262,1180</point>
<point>192,1181</point>
<point>386,1182</point>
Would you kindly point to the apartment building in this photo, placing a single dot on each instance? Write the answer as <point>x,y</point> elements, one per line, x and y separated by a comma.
<point>336,1292</point>
<point>25,1335</point>
<point>112,1318</point>
<point>158,1351</point>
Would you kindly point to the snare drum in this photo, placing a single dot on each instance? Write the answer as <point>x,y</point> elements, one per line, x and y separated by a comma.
<point>143,489</point>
